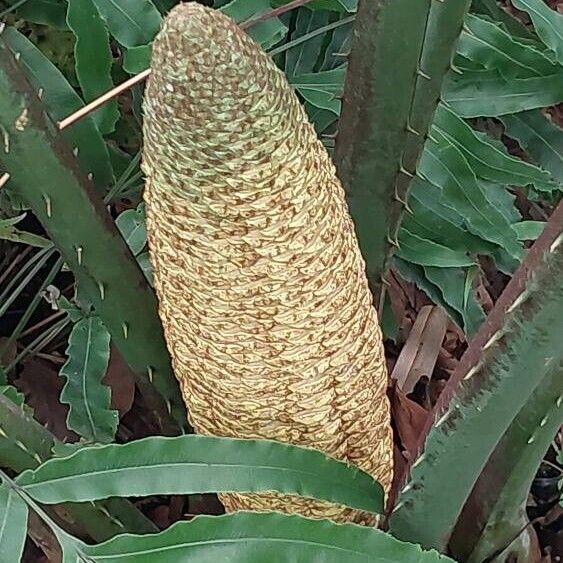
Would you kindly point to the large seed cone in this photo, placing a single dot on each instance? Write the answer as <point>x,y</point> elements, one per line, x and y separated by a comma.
<point>263,296</point>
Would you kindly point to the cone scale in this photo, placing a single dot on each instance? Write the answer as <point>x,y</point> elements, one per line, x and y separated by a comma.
<point>263,296</point>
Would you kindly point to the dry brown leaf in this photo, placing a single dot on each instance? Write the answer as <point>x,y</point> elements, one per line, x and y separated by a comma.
<point>408,420</point>
<point>407,356</point>
<point>41,384</point>
<point>420,352</point>
<point>121,381</point>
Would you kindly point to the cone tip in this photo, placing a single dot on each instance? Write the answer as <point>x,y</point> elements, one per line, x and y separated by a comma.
<point>189,16</point>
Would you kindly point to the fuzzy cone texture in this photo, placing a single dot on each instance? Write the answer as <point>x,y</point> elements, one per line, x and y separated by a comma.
<point>262,290</point>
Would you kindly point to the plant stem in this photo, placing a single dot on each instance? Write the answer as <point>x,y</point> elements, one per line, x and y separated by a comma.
<point>392,90</point>
<point>46,175</point>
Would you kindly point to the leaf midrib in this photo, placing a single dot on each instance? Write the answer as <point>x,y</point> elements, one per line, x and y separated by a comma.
<point>84,386</point>
<point>542,17</point>
<point>523,175</point>
<point>235,540</point>
<point>540,136</point>
<point>6,512</point>
<point>110,471</point>
<point>470,200</point>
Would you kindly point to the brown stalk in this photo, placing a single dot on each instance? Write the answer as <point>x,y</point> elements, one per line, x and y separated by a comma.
<point>95,104</point>
<point>274,12</point>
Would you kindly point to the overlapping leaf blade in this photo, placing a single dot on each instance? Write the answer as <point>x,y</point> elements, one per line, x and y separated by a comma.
<point>547,22</point>
<point>455,287</point>
<point>165,6</point>
<point>502,200</point>
<point>137,59</point>
<point>303,57</point>
<point>540,138</point>
<point>337,48</point>
<point>465,93</point>
<point>27,444</point>
<point>260,538</point>
<point>434,219</point>
<point>93,59</point>
<point>444,165</point>
<point>319,117</point>
<point>8,231</point>
<point>131,22</point>
<point>489,159</point>
<point>507,21</point>
<point>132,226</point>
<point>529,230</point>
<point>425,252</point>
<point>268,32</point>
<point>89,400</point>
<point>145,264</point>
<point>13,524</point>
<point>447,289</point>
<point>485,42</point>
<point>49,12</point>
<point>336,5</point>
<point>321,89</point>
<point>199,464</point>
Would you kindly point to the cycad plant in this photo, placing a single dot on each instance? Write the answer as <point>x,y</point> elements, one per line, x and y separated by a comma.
<point>261,284</point>
<point>265,305</point>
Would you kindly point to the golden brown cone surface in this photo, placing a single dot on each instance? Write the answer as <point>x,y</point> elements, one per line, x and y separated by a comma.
<point>263,296</point>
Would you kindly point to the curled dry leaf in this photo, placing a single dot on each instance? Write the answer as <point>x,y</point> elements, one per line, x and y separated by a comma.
<point>121,381</point>
<point>408,420</point>
<point>41,384</point>
<point>420,352</point>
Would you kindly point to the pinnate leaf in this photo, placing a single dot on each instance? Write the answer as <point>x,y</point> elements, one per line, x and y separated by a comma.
<point>444,165</point>
<point>93,59</point>
<point>540,138</point>
<point>465,93</point>
<point>261,538</point>
<point>488,158</point>
<point>131,22</point>
<point>13,524</point>
<point>200,464</point>
<point>88,399</point>
<point>547,22</point>
<point>483,41</point>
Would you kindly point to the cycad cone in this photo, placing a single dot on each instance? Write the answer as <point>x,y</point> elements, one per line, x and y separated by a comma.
<point>262,291</point>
